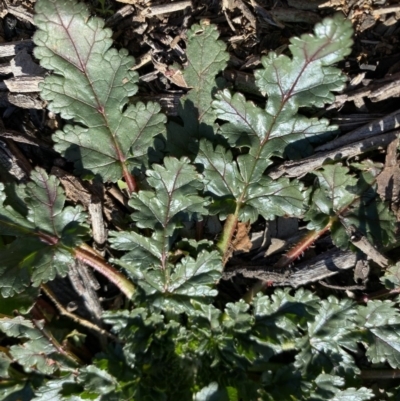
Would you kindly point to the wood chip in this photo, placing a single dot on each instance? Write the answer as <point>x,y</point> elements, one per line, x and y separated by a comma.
<point>12,48</point>
<point>26,100</point>
<point>96,216</point>
<point>380,125</point>
<point>166,8</point>
<point>309,164</point>
<point>388,180</point>
<point>23,84</point>
<point>20,12</point>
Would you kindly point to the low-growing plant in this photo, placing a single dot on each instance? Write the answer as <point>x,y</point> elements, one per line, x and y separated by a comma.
<point>170,339</point>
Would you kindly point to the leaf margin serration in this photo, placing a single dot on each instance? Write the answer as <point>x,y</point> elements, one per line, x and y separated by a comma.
<point>91,84</point>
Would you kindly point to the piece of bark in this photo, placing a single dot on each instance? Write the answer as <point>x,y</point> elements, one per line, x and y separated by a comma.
<point>120,15</point>
<point>386,10</point>
<point>380,125</point>
<point>173,75</point>
<point>362,243</point>
<point>22,138</point>
<point>26,100</point>
<point>23,84</point>
<point>246,12</point>
<point>322,266</point>
<point>78,191</point>
<point>5,69</point>
<point>265,15</point>
<point>99,231</point>
<point>361,271</point>
<point>302,167</point>
<point>85,284</point>
<point>12,48</point>
<point>388,181</point>
<point>378,90</point>
<point>166,8</point>
<point>169,102</point>
<point>386,91</point>
<point>14,161</point>
<point>20,12</point>
<point>73,187</point>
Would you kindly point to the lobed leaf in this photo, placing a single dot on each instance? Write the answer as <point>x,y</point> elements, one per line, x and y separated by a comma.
<point>381,319</point>
<point>349,202</point>
<point>36,353</point>
<point>91,84</point>
<point>206,57</point>
<point>173,201</point>
<point>233,181</point>
<point>46,234</point>
<point>391,279</point>
<point>303,81</point>
<point>63,389</point>
<point>323,348</point>
<point>307,79</point>
<point>328,388</point>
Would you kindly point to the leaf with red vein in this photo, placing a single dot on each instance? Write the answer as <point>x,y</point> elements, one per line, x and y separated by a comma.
<point>91,84</point>
<point>45,237</point>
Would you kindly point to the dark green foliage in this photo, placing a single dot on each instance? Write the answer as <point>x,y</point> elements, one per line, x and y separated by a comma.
<point>175,341</point>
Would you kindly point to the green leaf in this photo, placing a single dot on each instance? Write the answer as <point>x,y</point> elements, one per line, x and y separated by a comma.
<point>5,362</point>
<point>12,221</point>
<point>63,389</point>
<point>381,319</point>
<point>216,337</point>
<point>91,84</point>
<point>328,388</point>
<point>16,390</point>
<point>97,380</point>
<point>36,353</point>
<point>206,57</point>
<point>283,383</point>
<point>19,302</point>
<point>307,79</point>
<point>253,127</point>
<point>229,179</point>
<point>391,279</point>
<point>323,348</point>
<point>176,186</point>
<point>174,200</point>
<point>279,316</point>
<point>236,317</point>
<point>352,394</point>
<point>337,189</point>
<point>175,287</point>
<point>352,203</point>
<point>261,134</point>
<point>45,235</point>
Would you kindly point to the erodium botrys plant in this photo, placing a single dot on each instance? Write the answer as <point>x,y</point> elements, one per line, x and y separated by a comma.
<point>170,339</point>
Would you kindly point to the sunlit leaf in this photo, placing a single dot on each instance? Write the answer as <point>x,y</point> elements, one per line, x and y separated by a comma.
<point>45,236</point>
<point>91,84</point>
<point>382,320</point>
